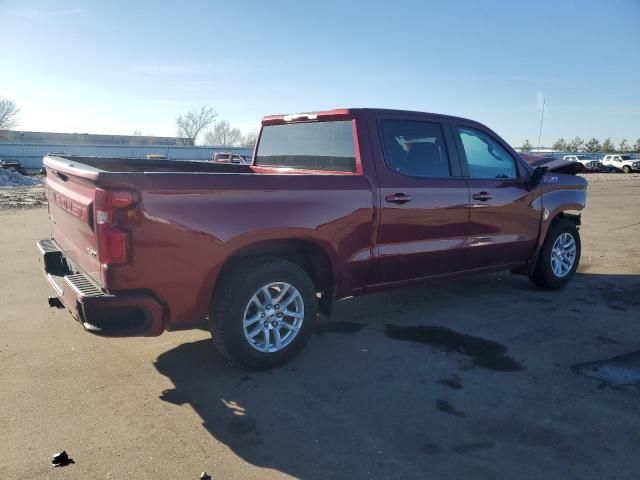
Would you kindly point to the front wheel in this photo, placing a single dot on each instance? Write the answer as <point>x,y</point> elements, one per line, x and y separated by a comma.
<point>559,256</point>
<point>263,312</point>
<point>626,169</point>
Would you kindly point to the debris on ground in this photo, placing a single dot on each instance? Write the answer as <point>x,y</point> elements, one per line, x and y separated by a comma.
<point>61,459</point>
<point>205,476</point>
<point>22,197</point>
<point>610,177</point>
<point>21,191</point>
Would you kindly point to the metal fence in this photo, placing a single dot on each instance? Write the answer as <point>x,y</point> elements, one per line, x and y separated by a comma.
<point>30,154</point>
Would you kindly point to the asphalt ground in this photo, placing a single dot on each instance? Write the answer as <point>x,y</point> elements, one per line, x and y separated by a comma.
<point>472,378</point>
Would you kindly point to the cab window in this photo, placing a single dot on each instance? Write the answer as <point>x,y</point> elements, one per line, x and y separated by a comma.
<point>310,145</point>
<point>485,157</point>
<point>415,148</point>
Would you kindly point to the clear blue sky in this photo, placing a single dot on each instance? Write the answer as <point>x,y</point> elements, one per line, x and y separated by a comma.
<point>116,67</point>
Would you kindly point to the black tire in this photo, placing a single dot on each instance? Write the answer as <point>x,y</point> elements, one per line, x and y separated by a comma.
<point>626,169</point>
<point>231,298</point>
<point>543,275</point>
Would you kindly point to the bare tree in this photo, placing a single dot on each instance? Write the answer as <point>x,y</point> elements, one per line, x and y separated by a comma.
<point>250,139</point>
<point>636,146</point>
<point>191,124</point>
<point>8,114</point>
<point>223,135</point>
<point>138,133</point>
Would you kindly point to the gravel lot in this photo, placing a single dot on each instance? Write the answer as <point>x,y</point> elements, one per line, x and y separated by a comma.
<point>19,191</point>
<point>22,197</point>
<point>380,392</point>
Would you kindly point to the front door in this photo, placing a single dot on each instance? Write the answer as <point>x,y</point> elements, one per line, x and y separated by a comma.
<point>503,225</point>
<point>423,200</point>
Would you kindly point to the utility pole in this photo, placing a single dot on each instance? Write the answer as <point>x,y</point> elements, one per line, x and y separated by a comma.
<point>541,119</point>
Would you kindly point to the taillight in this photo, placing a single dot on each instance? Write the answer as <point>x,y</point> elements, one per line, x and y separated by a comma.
<point>113,241</point>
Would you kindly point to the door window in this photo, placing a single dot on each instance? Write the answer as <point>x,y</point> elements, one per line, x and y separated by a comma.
<point>485,157</point>
<point>415,149</point>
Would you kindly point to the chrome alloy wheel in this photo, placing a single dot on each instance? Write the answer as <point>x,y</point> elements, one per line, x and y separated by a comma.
<point>563,255</point>
<point>273,317</point>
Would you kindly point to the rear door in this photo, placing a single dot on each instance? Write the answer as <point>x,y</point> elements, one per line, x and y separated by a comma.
<point>503,226</point>
<point>423,199</point>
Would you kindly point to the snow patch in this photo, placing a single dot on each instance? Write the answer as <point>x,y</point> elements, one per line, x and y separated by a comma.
<point>9,178</point>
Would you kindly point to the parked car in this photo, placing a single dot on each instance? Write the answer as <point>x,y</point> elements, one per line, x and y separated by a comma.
<point>334,204</point>
<point>590,164</point>
<point>14,165</point>
<point>231,158</point>
<point>621,163</point>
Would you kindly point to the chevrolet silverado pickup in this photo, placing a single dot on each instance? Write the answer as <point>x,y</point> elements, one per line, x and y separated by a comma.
<point>333,204</point>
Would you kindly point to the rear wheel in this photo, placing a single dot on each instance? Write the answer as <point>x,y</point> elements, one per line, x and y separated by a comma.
<point>263,312</point>
<point>559,257</point>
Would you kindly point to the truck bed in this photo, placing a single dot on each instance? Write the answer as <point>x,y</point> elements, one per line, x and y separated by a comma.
<point>187,217</point>
<point>127,165</point>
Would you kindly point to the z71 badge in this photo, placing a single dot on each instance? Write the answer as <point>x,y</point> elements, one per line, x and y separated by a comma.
<point>553,179</point>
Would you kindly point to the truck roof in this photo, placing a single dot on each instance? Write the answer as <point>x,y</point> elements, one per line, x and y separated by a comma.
<point>348,113</point>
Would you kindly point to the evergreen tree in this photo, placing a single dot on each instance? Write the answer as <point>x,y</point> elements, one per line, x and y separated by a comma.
<point>608,146</point>
<point>592,145</point>
<point>560,145</point>
<point>624,146</point>
<point>575,145</point>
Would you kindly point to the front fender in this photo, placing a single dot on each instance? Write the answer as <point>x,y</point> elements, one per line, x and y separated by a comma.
<point>559,194</point>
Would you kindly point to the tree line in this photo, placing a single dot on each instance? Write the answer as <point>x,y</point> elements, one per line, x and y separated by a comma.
<point>190,125</point>
<point>592,145</point>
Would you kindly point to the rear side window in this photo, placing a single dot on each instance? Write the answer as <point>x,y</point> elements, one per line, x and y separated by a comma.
<point>485,157</point>
<point>414,148</point>
<point>311,146</point>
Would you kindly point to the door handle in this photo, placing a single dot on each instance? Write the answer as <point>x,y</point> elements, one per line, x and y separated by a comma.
<point>482,196</point>
<point>398,198</point>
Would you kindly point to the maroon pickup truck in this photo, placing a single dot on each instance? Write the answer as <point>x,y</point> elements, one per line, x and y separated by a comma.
<point>333,204</point>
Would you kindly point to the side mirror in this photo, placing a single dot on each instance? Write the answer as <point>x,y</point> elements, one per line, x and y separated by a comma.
<point>536,176</point>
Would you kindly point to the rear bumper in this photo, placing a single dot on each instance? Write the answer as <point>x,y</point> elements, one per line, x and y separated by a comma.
<point>106,314</point>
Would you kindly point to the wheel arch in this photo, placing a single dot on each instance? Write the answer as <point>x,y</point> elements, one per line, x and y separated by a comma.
<point>569,213</point>
<point>308,254</point>
<point>542,272</point>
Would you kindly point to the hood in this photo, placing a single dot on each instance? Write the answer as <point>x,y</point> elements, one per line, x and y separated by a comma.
<point>554,164</point>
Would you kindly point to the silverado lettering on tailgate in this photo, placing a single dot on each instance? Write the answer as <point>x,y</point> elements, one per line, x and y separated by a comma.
<point>74,208</point>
